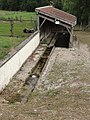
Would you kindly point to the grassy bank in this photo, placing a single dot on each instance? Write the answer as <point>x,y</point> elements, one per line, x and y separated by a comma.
<point>83,37</point>
<point>13,14</point>
<point>18,27</point>
<point>8,43</point>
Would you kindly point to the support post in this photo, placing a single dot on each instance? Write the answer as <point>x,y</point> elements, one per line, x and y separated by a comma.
<point>42,23</point>
<point>11,27</point>
<point>71,38</point>
<point>38,23</point>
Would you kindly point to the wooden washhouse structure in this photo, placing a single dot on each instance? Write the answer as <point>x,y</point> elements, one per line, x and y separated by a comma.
<point>52,20</point>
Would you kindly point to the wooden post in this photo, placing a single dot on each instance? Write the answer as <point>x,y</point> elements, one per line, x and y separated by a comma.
<point>71,38</point>
<point>31,19</point>
<point>20,18</point>
<point>16,18</point>
<point>11,27</point>
<point>81,28</point>
<point>38,23</point>
<point>35,24</point>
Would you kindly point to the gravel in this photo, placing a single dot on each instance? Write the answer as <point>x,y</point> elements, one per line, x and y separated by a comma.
<point>62,93</point>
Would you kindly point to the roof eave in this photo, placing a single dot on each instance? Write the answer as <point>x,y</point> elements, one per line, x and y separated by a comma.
<point>69,23</point>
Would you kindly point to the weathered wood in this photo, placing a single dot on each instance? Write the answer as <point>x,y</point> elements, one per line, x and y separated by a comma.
<point>12,27</point>
<point>52,20</point>
<point>64,25</point>
<point>42,23</point>
<point>71,36</point>
<point>38,23</point>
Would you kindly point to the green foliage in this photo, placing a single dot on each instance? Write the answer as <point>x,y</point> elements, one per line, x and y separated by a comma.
<point>68,5</point>
<point>7,43</point>
<point>56,3</point>
<point>27,5</point>
<point>80,8</point>
<point>82,11</point>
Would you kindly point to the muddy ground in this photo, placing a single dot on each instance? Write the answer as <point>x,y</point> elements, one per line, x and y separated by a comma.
<point>63,91</point>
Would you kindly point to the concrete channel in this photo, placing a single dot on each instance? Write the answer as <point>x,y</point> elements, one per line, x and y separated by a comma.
<point>36,72</point>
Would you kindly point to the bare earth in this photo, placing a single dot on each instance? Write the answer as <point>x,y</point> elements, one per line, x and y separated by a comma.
<point>62,93</point>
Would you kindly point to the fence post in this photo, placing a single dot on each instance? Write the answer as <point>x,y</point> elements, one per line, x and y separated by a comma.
<point>16,18</point>
<point>11,27</point>
<point>20,18</point>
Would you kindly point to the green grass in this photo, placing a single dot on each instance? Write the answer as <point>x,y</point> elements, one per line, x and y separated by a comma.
<point>12,14</point>
<point>18,27</point>
<point>7,43</point>
<point>83,37</point>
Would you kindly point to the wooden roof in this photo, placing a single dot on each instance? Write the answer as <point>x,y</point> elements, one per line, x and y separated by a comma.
<point>57,14</point>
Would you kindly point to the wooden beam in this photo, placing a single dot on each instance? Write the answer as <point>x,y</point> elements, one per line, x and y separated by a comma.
<point>64,25</point>
<point>38,23</point>
<point>53,20</point>
<point>71,38</point>
<point>47,18</point>
<point>68,30</point>
<point>42,23</point>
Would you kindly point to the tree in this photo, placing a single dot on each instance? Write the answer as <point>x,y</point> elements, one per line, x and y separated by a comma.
<point>31,5</point>
<point>80,8</point>
<point>68,5</point>
<point>56,3</point>
<point>82,11</point>
<point>3,4</point>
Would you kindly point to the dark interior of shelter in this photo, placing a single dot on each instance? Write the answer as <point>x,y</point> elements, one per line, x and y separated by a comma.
<point>62,35</point>
<point>62,40</point>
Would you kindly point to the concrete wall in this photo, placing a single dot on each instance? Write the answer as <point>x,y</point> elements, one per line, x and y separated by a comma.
<point>10,66</point>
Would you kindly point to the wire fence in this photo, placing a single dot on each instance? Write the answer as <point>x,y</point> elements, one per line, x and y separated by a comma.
<point>15,27</point>
<point>12,33</point>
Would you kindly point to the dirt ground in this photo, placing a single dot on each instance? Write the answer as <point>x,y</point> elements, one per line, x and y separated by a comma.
<point>63,91</point>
